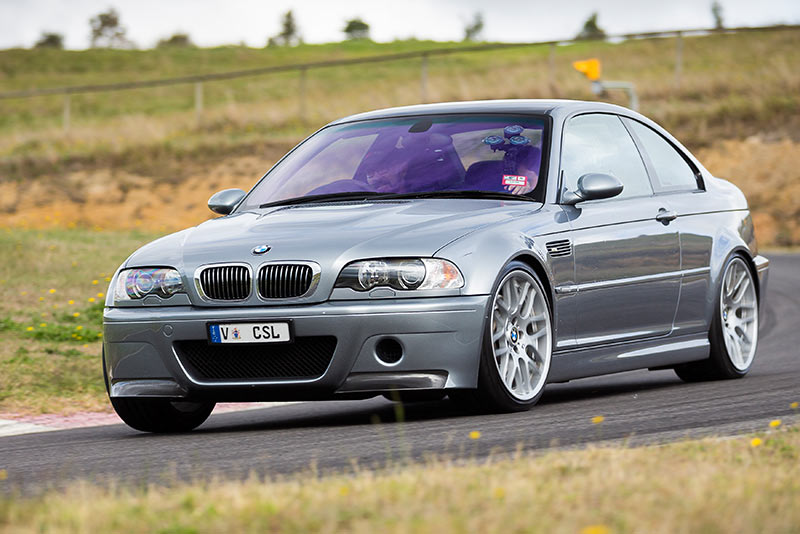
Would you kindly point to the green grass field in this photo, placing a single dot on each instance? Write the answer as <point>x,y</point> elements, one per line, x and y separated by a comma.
<point>742,484</point>
<point>52,288</point>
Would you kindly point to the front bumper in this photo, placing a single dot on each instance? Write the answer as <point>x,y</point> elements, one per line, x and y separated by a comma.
<point>440,337</point>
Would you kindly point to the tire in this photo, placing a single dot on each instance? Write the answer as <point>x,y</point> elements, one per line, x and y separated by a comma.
<point>161,415</point>
<point>519,334</point>
<point>734,327</point>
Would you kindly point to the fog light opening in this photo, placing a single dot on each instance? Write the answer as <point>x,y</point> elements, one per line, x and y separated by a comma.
<point>388,351</point>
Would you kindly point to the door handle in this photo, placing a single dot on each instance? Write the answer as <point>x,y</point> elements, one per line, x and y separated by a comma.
<point>665,216</point>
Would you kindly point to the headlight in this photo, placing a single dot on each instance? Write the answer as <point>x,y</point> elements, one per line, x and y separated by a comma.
<point>422,273</point>
<point>134,284</point>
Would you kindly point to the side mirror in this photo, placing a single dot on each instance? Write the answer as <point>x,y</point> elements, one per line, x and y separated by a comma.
<point>224,201</point>
<point>593,186</point>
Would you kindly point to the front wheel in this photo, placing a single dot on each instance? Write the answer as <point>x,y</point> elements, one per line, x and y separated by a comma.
<point>734,328</point>
<point>161,415</point>
<point>518,342</point>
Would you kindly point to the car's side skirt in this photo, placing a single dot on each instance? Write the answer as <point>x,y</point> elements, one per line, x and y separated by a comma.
<point>619,357</point>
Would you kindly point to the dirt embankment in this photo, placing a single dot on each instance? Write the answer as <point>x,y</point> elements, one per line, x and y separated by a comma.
<point>768,173</point>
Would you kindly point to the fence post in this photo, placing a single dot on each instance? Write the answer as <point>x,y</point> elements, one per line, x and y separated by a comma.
<point>423,79</point>
<point>302,96</point>
<point>551,64</point>
<point>66,113</point>
<point>198,101</point>
<point>678,59</point>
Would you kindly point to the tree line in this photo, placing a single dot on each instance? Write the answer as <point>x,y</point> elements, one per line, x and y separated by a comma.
<point>107,31</point>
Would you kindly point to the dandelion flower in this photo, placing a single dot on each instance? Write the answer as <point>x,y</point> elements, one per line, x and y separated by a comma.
<point>597,419</point>
<point>95,282</point>
<point>344,491</point>
<point>42,325</point>
<point>775,423</point>
<point>79,327</point>
<point>85,346</point>
<point>108,278</point>
<point>475,434</point>
<point>70,302</point>
<point>55,306</point>
<point>794,405</point>
<point>100,295</point>
<point>79,338</point>
<point>755,442</point>
<point>51,291</point>
<point>24,293</point>
<point>499,493</point>
<point>3,474</point>
<point>76,314</point>
<point>99,334</point>
<point>41,299</point>
<point>91,299</point>
<point>43,314</point>
<point>29,329</point>
<point>595,529</point>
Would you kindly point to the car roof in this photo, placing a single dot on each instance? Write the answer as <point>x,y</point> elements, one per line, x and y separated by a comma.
<point>521,106</point>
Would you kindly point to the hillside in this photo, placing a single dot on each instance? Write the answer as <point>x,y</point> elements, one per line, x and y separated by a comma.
<point>733,87</point>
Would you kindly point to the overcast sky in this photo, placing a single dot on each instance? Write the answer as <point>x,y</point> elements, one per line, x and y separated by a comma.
<point>218,22</point>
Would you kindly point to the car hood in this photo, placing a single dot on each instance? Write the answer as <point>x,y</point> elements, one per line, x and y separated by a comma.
<point>331,234</point>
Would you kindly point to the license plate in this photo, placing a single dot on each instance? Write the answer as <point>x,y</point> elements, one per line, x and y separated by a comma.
<point>249,333</point>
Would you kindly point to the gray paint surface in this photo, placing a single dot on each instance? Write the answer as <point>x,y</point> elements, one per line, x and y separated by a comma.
<point>644,406</point>
<point>627,297</point>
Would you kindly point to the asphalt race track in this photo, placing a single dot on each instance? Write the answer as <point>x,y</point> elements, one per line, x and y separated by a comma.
<point>640,406</point>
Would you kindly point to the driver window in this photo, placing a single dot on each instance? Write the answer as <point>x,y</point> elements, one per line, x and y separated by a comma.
<point>599,143</point>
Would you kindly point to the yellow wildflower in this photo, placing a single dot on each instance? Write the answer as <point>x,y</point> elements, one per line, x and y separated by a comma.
<point>95,282</point>
<point>755,442</point>
<point>597,419</point>
<point>499,493</point>
<point>29,329</point>
<point>775,423</point>
<point>3,474</point>
<point>91,299</point>
<point>794,405</point>
<point>51,291</point>
<point>100,295</point>
<point>42,325</point>
<point>70,302</point>
<point>475,434</point>
<point>595,529</point>
<point>76,314</point>
<point>79,327</point>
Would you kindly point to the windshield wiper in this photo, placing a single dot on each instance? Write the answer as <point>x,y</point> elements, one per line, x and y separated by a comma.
<point>351,195</point>
<point>494,195</point>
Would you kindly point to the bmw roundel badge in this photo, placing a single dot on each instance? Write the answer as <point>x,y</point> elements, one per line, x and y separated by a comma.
<point>261,249</point>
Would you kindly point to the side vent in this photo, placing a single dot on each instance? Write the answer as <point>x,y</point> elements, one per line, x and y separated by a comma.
<point>556,249</point>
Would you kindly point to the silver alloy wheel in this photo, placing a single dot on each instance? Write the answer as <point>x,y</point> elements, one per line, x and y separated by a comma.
<point>738,308</point>
<point>521,335</point>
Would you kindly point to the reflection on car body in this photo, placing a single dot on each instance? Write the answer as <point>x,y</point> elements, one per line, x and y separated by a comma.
<point>474,250</point>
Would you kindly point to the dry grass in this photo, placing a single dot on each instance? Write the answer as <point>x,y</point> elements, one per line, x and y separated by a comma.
<point>766,171</point>
<point>709,486</point>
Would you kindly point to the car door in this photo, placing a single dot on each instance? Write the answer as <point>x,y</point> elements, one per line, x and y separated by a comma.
<point>676,179</point>
<point>627,251</point>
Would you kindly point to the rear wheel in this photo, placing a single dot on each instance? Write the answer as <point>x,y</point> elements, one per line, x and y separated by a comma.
<point>161,415</point>
<point>515,360</point>
<point>734,328</point>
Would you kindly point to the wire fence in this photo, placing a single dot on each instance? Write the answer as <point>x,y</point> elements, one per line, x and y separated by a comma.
<point>424,55</point>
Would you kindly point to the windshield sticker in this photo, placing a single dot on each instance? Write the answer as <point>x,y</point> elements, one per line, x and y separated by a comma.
<point>513,179</point>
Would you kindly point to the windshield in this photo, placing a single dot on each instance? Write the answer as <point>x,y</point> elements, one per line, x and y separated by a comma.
<point>447,153</point>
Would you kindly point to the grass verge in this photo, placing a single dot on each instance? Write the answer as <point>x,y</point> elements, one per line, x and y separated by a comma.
<point>744,484</point>
<point>52,289</point>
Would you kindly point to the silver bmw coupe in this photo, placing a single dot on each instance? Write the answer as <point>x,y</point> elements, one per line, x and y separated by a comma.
<point>475,250</point>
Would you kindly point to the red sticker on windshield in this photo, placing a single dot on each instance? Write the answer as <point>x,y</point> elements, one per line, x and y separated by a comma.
<point>512,179</point>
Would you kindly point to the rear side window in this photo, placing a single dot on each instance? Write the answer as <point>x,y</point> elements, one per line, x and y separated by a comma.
<point>599,143</point>
<point>673,172</point>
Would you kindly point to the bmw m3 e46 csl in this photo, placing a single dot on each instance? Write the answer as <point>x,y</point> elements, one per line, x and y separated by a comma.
<point>473,250</point>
